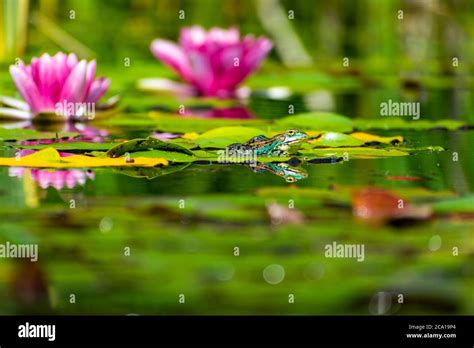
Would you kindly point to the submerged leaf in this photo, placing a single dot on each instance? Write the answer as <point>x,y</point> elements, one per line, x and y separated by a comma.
<point>280,214</point>
<point>377,205</point>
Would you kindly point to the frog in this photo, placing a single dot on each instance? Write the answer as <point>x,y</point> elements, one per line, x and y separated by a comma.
<point>281,145</point>
<point>289,173</point>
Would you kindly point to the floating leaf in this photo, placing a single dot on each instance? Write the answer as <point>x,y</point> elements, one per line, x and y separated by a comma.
<point>70,146</point>
<point>332,139</point>
<point>320,121</point>
<point>371,138</point>
<point>30,134</point>
<point>180,124</point>
<point>190,136</point>
<point>352,152</point>
<point>146,144</point>
<point>224,136</point>
<point>400,123</point>
<point>50,158</point>
<point>168,155</point>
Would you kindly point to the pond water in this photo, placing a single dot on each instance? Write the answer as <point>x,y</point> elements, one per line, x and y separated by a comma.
<point>200,240</point>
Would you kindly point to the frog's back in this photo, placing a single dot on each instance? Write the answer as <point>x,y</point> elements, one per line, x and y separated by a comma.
<point>256,140</point>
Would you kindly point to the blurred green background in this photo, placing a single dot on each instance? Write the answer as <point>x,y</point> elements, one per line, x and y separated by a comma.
<point>190,251</point>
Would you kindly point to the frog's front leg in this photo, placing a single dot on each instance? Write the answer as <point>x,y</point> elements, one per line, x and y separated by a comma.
<point>279,153</point>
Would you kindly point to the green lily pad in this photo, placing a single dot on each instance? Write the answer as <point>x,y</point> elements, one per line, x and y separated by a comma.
<point>70,146</point>
<point>321,121</point>
<point>171,156</point>
<point>352,152</point>
<point>149,143</point>
<point>333,139</point>
<point>30,134</point>
<point>401,123</point>
<point>224,136</point>
<point>183,124</point>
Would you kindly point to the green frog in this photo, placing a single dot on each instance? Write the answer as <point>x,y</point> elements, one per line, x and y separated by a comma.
<point>290,174</point>
<point>280,145</point>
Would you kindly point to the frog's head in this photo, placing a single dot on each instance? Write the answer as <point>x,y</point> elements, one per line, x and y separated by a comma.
<point>292,136</point>
<point>291,174</point>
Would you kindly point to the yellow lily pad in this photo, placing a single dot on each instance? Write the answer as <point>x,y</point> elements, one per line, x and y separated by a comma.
<point>190,136</point>
<point>50,158</point>
<point>368,138</point>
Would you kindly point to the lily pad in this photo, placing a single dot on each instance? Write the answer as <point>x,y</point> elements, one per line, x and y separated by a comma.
<point>30,134</point>
<point>146,144</point>
<point>333,139</point>
<point>184,124</point>
<point>321,121</point>
<point>177,157</point>
<point>371,138</point>
<point>400,123</point>
<point>70,146</point>
<point>353,152</point>
<point>224,136</point>
<point>50,158</point>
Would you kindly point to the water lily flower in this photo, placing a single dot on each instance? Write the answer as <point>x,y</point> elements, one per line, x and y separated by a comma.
<point>59,84</point>
<point>214,62</point>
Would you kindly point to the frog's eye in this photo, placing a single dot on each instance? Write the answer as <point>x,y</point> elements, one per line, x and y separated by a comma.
<point>281,173</point>
<point>291,132</point>
<point>290,179</point>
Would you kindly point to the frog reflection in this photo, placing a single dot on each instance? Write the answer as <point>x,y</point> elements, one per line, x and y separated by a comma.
<point>289,173</point>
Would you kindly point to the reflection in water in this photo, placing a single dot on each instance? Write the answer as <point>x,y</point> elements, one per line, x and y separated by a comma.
<point>289,173</point>
<point>58,179</point>
<point>86,131</point>
<point>64,178</point>
<point>29,286</point>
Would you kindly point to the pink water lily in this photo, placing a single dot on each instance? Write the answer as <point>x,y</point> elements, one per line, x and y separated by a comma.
<point>49,83</point>
<point>214,62</point>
